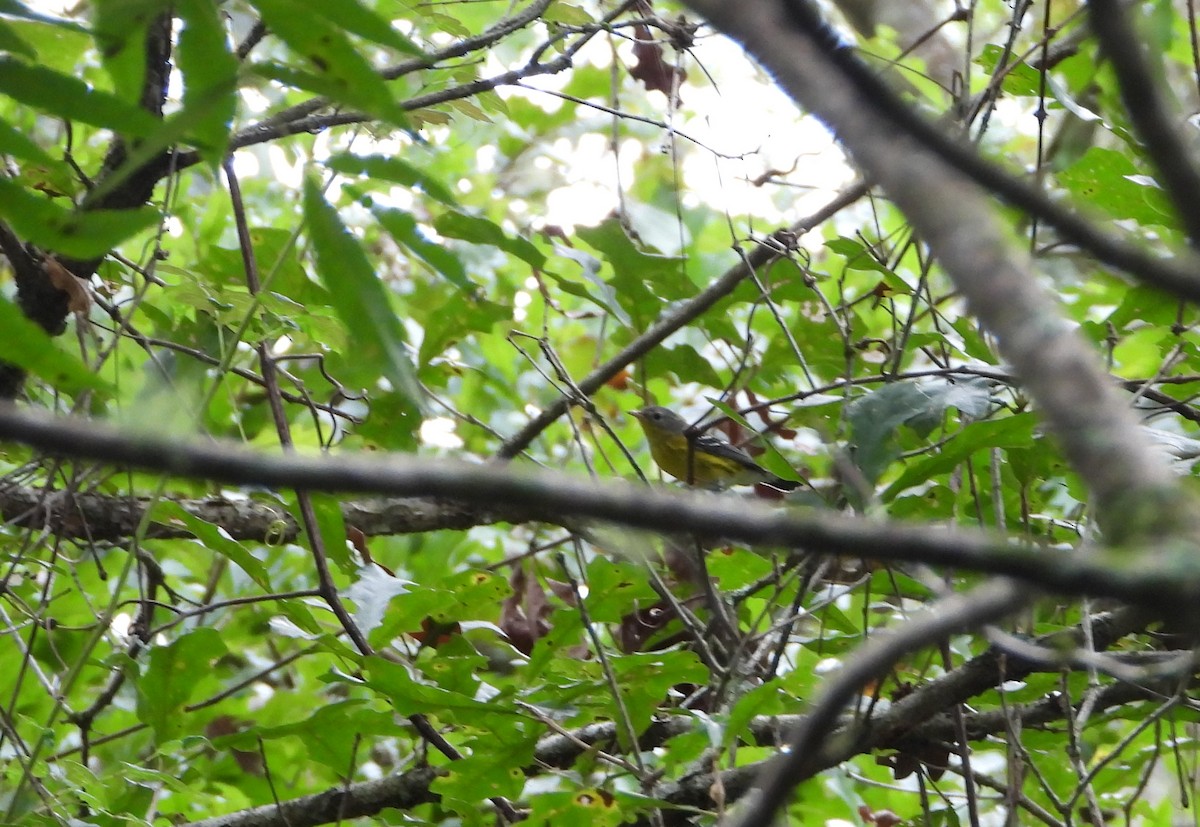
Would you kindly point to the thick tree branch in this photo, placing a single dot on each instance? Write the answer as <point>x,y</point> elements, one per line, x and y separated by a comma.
<point>402,792</point>
<point>114,518</point>
<point>108,518</point>
<point>1167,582</point>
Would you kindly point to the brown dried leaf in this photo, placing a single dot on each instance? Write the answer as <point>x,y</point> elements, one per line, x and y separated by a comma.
<point>651,69</point>
<point>640,627</point>
<point>79,295</point>
<point>524,615</point>
<point>886,818</point>
<point>250,763</point>
<point>883,818</point>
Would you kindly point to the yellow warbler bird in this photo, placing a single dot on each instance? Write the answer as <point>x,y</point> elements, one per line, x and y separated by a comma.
<point>705,460</point>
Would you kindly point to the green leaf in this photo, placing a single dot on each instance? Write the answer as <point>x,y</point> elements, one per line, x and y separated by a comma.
<point>171,678</point>
<point>970,397</point>
<point>352,16</point>
<point>27,346</point>
<point>331,735</point>
<point>766,699</point>
<point>327,508</point>
<point>646,677</point>
<point>449,322</point>
<point>641,280</point>
<point>72,99</point>
<point>392,424</point>
<point>1009,432</point>
<point>10,41</point>
<point>359,297</point>
<point>493,770</point>
<point>856,255</point>
<point>372,593</point>
<point>213,538</point>
<point>403,228</point>
<point>1141,352</point>
<point>1108,179</point>
<point>210,73</point>
<point>616,588</point>
<point>595,808</point>
<point>1020,78</point>
<point>76,233</point>
<point>342,73</point>
<point>144,776</point>
<point>601,294</point>
<point>569,14</point>
<point>479,230</point>
<point>684,362</point>
<point>17,143</point>
<point>875,417</point>
<point>1142,305</point>
<point>384,168</point>
<point>397,683</point>
<point>734,568</point>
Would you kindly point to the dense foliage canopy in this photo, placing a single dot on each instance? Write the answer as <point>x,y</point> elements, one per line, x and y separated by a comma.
<point>421,260</point>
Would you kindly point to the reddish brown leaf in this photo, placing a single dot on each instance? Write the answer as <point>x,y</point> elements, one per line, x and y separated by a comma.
<point>651,69</point>
<point>553,231</point>
<point>620,381</point>
<point>524,617</point>
<point>640,627</point>
<point>434,634</point>
<point>884,818</point>
<point>250,763</point>
<point>562,591</point>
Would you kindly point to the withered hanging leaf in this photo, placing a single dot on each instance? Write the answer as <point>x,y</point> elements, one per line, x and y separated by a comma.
<point>935,758</point>
<point>524,617</point>
<point>652,70</point>
<point>79,297</point>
